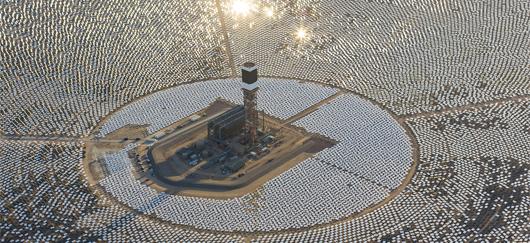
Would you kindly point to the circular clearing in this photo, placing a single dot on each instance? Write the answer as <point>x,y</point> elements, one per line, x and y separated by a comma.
<point>371,159</point>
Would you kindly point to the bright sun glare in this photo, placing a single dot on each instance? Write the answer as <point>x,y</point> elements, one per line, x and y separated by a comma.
<point>301,33</point>
<point>241,7</point>
<point>269,12</point>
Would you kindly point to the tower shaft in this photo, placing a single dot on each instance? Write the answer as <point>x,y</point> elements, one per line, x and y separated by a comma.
<point>249,73</point>
<point>251,114</point>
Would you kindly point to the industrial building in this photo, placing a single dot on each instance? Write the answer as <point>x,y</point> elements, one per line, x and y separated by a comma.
<point>227,125</point>
<point>240,119</point>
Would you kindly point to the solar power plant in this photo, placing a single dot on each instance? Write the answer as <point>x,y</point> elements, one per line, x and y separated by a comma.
<point>265,121</point>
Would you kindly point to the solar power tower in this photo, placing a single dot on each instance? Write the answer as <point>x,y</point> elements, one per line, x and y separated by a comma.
<point>249,73</point>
